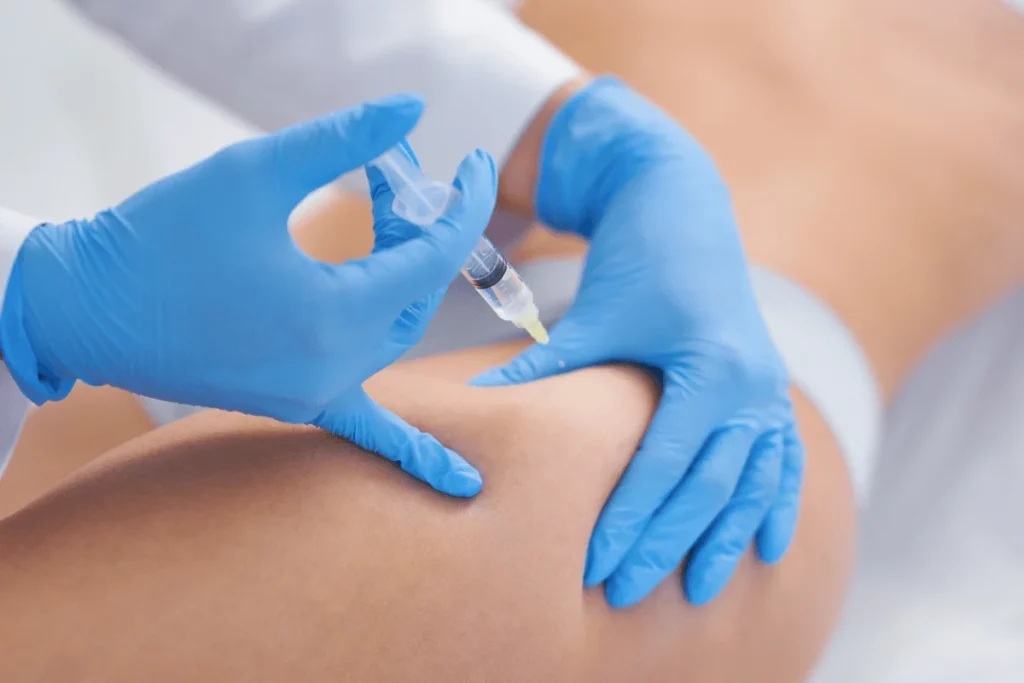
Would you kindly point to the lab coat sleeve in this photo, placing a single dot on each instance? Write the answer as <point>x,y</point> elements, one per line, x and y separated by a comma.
<point>13,404</point>
<point>275,62</point>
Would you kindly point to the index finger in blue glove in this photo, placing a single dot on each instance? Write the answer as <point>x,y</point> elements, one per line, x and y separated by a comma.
<point>562,353</point>
<point>429,261</point>
<point>680,427</point>
<point>715,557</point>
<point>365,423</point>
<point>309,155</point>
<point>688,512</point>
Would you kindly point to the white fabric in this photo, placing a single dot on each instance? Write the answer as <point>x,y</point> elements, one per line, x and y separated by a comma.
<point>827,363</point>
<point>482,72</point>
<point>273,62</point>
<point>13,404</point>
<point>938,594</point>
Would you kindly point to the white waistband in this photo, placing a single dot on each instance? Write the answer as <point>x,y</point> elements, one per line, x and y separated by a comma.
<point>828,365</point>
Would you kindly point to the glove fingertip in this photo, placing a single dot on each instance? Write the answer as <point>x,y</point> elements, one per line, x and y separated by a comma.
<point>462,480</point>
<point>476,182</point>
<point>495,377</point>
<point>616,595</point>
<point>622,591</point>
<point>514,372</point>
<point>443,469</point>
<point>406,106</point>
<point>591,575</point>
<point>376,429</point>
<point>775,536</point>
<point>589,581</point>
<point>706,577</point>
<point>701,585</point>
<point>476,167</point>
<point>602,557</point>
<point>535,363</point>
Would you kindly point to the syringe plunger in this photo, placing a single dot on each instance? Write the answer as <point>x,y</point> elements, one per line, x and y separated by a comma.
<point>423,201</point>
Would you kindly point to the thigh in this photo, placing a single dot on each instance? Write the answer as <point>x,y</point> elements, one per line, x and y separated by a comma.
<point>231,548</point>
<point>60,437</point>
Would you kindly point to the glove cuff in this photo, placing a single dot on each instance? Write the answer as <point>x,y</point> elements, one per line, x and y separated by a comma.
<point>18,353</point>
<point>602,138</point>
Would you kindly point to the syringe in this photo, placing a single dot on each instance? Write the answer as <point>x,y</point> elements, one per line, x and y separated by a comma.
<point>422,201</point>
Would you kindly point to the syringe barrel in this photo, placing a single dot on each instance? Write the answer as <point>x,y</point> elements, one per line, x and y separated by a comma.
<point>485,266</point>
<point>498,283</point>
<point>422,201</point>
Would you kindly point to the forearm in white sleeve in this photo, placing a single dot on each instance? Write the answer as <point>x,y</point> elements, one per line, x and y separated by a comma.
<point>13,404</point>
<point>274,62</point>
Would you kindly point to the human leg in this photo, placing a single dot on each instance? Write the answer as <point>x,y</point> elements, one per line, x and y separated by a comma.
<point>274,552</point>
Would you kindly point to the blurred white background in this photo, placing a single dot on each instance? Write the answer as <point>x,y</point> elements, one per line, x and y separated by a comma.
<point>82,123</point>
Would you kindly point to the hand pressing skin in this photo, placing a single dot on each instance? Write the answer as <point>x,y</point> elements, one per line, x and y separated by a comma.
<point>193,291</point>
<point>666,285</point>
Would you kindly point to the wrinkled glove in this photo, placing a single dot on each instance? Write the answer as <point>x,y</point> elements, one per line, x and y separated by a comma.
<point>666,285</point>
<point>193,290</point>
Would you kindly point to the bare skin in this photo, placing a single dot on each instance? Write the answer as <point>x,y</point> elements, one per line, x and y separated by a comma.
<point>226,548</point>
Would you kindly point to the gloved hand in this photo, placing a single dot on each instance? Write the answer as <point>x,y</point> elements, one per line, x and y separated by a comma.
<point>193,290</point>
<point>666,285</point>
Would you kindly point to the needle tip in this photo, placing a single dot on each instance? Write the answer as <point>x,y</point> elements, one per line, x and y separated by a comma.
<point>536,330</point>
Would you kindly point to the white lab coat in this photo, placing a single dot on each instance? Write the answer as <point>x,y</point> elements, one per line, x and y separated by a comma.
<point>274,62</point>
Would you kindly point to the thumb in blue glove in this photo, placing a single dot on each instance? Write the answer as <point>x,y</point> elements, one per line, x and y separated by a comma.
<point>359,418</point>
<point>193,291</point>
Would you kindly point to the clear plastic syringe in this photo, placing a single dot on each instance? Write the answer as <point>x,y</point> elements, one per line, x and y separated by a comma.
<point>422,201</point>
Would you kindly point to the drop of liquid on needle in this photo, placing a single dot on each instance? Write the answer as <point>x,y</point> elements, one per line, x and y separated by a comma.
<point>537,331</point>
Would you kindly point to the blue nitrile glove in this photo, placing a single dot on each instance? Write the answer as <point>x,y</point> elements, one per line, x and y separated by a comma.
<point>193,291</point>
<point>666,285</point>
